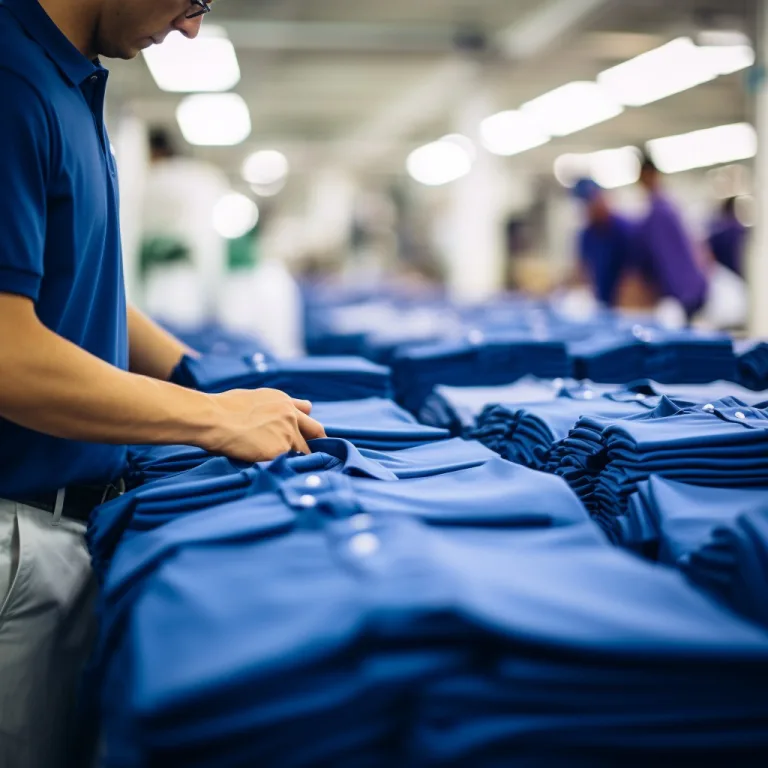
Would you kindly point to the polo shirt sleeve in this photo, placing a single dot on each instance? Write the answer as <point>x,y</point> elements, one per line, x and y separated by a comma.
<point>25,142</point>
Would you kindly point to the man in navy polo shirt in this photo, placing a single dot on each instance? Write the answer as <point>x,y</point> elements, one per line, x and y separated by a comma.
<point>81,374</point>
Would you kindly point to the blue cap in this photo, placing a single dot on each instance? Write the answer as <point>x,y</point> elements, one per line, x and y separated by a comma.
<point>586,190</point>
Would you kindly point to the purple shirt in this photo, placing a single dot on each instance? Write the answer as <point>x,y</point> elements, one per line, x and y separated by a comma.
<point>726,240</point>
<point>668,256</point>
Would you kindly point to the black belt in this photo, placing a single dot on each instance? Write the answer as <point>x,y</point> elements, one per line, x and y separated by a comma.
<point>79,500</point>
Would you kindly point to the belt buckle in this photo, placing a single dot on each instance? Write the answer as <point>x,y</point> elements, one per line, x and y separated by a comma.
<point>113,491</point>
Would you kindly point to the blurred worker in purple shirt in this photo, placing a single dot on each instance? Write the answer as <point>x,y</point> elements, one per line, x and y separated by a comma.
<point>605,245</point>
<point>727,238</point>
<point>669,259</point>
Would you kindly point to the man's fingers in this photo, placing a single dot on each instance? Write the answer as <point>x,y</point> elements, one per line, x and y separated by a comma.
<point>303,405</point>
<point>300,445</point>
<point>309,428</point>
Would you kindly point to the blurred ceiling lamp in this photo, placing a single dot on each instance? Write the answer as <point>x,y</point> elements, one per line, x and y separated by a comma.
<point>214,119</point>
<point>662,72</point>
<point>464,142</point>
<point>610,168</point>
<point>510,133</point>
<point>700,149</point>
<point>571,108</point>
<point>571,167</point>
<point>727,59</point>
<point>438,163</point>
<point>614,168</point>
<point>265,168</point>
<point>206,64</point>
<point>235,215</point>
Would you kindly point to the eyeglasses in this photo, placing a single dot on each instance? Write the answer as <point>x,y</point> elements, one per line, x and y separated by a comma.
<point>204,8</point>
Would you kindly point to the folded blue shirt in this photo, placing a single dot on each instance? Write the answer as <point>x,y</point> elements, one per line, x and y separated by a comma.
<point>316,379</point>
<point>679,519</point>
<point>363,616</point>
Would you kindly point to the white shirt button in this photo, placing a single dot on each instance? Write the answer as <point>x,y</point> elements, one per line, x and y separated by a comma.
<point>361,522</point>
<point>589,395</point>
<point>708,407</point>
<point>259,358</point>
<point>262,367</point>
<point>740,415</point>
<point>308,501</point>
<point>364,544</point>
<point>641,396</point>
<point>314,481</point>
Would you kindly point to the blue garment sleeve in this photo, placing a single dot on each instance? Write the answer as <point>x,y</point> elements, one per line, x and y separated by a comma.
<point>25,141</point>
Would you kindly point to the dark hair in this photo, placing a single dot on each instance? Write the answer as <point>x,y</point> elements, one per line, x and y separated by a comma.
<point>647,165</point>
<point>161,143</point>
<point>729,206</point>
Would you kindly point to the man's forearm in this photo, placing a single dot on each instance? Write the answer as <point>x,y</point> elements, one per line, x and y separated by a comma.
<point>153,351</point>
<point>52,386</point>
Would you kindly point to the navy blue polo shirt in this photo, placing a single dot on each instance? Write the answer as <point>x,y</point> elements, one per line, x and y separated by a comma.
<point>59,228</point>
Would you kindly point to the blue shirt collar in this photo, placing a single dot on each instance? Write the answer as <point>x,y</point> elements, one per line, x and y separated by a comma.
<point>38,25</point>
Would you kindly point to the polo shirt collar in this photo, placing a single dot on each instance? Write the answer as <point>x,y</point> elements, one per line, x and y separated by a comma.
<point>38,25</point>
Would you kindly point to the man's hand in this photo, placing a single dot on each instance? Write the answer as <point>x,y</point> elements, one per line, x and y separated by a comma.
<point>261,425</point>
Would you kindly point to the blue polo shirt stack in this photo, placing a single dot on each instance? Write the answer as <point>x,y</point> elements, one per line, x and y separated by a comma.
<point>527,435</point>
<point>479,361</point>
<point>323,378</point>
<point>453,621</point>
<point>719,445</point>
<point>753,365</point>
<point>668,520</point>
<point>682,357</point>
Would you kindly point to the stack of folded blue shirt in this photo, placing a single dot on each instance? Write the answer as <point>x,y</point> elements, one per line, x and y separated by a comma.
<point>214,340</point>
<point>733,564</point>
<point>722,444</point>
<point>273,632</point>
<point>375,423</point>
<point>689,358</point>
<point>457,408</point>
<point>668,520</point>
<point>483,361</point>
<point>672,358</point>
<point>753,365</point>
<point>325,378</point>
<point>608,357</point>
<point>154,462</point>
<point>214,481</point>
<point>527,435</point>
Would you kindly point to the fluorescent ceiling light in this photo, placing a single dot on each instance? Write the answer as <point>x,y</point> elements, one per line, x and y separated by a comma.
<point>723,37</point>
<point>614,168</point>
<point>700,149</point>
<point>214,119</point>
<point>727,59</point>
<point>235,215</point>
<point>205,64</point>
<point>671,69</point>
<point>266,167</point>
<point>572,108</point>
<point>571,167</point>
<point>440,162</point>
<point>610,168</point>
<point>464,142</point>
<point>510,133</point>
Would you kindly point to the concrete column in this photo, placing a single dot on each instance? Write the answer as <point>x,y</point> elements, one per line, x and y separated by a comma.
<point>474,242</point>
<point>758,266</point>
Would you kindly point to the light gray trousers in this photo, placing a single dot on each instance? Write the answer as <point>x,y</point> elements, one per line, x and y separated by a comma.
<point>47,626</point>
